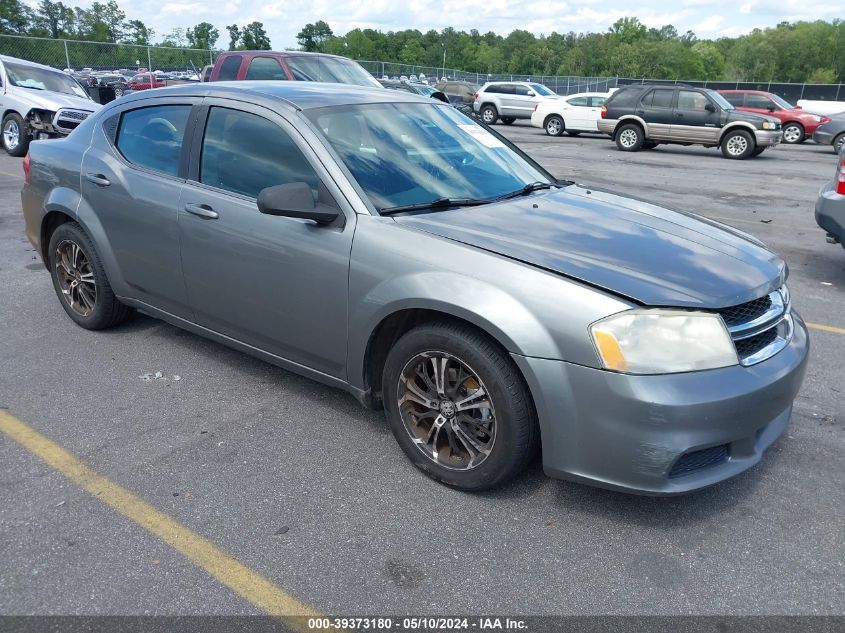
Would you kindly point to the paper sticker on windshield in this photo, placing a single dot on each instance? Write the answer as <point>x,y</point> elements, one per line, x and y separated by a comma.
<point>482,136</point>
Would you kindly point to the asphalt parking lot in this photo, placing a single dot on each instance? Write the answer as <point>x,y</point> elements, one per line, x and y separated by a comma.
<point>297,482</point>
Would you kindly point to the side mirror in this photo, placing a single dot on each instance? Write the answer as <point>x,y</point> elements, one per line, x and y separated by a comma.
<point>531,93</point>
<point>440,96</point>
<point>771,107</point>
<point>295,200</point>
<point>709,107</point>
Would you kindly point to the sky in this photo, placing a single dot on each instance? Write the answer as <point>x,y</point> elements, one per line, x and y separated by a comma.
<point>283,19</point>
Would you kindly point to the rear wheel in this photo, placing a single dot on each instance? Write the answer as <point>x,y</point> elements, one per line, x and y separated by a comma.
<point>458,406</point>
<point>630,137</point>
<point>15,135</point>
<point>554,125</point>
<point>508,120</point>
<point>793,133</point>
<point>737,144</point>
<point>489,114</point>
<point>838,143</point>
<point>80,282</point>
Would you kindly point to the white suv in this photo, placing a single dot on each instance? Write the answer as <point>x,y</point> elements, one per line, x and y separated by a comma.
<point>509,100</point>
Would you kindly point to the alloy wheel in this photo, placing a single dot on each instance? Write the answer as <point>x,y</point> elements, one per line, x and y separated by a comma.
<point>737,145</point>
<point>446,410</point>
<point>76,278</point>
<point>488,116</point>
<point>628,138</point>
<point>554,126</point>
<point>11,135</point>
<point>792,134</point>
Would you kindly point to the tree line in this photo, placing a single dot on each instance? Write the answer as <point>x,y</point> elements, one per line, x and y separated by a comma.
<point>812,52</point>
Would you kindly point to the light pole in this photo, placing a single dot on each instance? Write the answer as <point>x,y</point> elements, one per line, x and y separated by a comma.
<point>443,74</point>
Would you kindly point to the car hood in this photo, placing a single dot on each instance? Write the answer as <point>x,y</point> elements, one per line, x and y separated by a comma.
<point>47,100</point>
<point>646,253</point>
<point>750,117</point>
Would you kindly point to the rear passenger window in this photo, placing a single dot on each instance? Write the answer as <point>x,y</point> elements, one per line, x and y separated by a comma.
<point>152,137</point>
<point>229,68</point>
<point>734,98</point>
<point>265,68</point>
<point>597,102</point>
<point>245,153</point>
<point>757,101</point>
<point>578,101</point>
<point>658,99</point>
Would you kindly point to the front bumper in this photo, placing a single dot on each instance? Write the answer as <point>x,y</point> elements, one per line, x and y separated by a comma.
<point>830,212</point>
<point>632,432</point>
<point>767,138</point>
<point>822,137</point>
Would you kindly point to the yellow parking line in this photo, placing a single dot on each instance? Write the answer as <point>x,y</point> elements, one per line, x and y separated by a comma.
<point>238,577</point>
<point>826,328</point>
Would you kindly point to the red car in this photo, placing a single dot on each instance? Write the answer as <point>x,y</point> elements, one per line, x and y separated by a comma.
<point>797,124</point>
<point>145,81</point>
<point>290,66</point>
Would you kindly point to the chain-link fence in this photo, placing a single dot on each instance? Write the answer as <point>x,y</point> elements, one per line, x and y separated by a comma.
<point>79,55</point>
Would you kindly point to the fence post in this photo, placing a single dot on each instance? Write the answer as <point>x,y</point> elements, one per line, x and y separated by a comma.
<point>210,56</point>
<point>67,57</point>
<point>150,67</point>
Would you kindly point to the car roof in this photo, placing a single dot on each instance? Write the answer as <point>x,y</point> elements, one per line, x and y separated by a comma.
<point>17,60</point>
<point>751,92</point>
<point>302,95</point>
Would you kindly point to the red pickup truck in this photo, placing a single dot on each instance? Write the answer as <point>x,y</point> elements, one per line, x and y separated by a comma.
<point>145,81</point>
<point>290,66</point>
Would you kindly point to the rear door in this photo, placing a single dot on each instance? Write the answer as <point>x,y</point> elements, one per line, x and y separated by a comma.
<point>655,108</point>
<point>278,284</point>
<point>506,102</point>
<point>133,182</point>
<point>692,121</point>
<point>591,124</point>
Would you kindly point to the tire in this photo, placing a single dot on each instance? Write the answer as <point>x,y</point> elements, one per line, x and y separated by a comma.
<point>838,143</point>
<point>757,151</point>
<point>737,145</point>
<point>793,133</point>
<point>508,120</point>
<point>554,125</point>
<point>90,301</point>
<point>630,137</point>
<point>572,133</point>
<point>16,135</point>
<point>489,114</point>
<point>649,145</point>
<point>506,432</point>
<point>118,91</point>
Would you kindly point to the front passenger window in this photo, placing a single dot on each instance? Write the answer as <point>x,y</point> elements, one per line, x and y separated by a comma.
<point>245,153</point>
<point>152,137</point>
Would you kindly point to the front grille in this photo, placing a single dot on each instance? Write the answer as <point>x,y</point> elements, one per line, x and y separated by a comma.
<point>748,346</point>
<point>68,120</point>
<point>746,311</point>
<point>696,460</point>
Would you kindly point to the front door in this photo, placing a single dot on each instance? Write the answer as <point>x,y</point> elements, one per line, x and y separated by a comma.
<point>134,182</point>
<point>693,122</point>
<point>276,283</point>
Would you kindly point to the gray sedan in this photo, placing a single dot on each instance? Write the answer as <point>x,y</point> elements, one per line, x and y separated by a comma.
<point>386,244</point>
<point>831,132</point>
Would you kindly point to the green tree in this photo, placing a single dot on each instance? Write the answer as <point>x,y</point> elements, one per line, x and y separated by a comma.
<point>234,37</point>
<point>54,19</point>
<point>254,37</point>
<point>15,16</point>
<point>204,35</point>
<point>313,37</point>
<point>822,76</point>
<point>138,33</point>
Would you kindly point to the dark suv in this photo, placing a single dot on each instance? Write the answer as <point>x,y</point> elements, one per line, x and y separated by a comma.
<point>644,116</point>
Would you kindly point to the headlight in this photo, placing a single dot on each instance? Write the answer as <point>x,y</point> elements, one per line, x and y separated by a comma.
<point>663,342</point>
<point>768,125</point>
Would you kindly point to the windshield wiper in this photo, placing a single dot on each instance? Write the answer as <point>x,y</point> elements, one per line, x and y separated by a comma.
<point>440,203</point>
<point>529,188</point>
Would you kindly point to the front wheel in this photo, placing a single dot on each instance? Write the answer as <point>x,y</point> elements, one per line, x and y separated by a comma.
<point>839,143</point>
<point>630,137</point>
<point>793,133</point>
<point>489,114</point>
<point>80,281</point>
<point>737,145</point>
<point>458,406</point>
<point>554,126</point>
<point>15,135</point>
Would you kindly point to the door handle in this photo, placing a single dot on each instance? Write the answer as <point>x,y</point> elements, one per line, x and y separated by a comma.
<point>202,210</point>
<point>98,179</point>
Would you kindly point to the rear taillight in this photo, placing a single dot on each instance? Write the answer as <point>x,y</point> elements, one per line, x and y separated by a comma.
<point>840,177</point>
<point>27,164</point>
<point>798,107</point>
<point>603,111</point>
<point>825,119</point>
<point>475,96</point>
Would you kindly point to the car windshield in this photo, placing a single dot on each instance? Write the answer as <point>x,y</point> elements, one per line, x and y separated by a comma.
<point>720,100</point>
<point>331,70</point>
<point>413,154</point>
<point>783,103</point>
<point>540,89</point>
<point>36,78</point>
<point>425,90</point>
